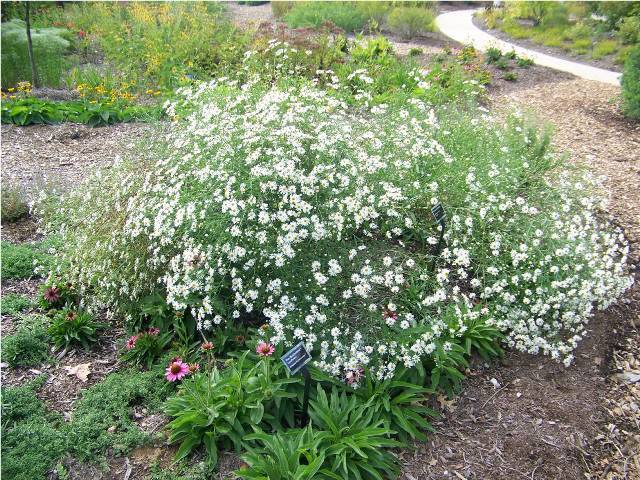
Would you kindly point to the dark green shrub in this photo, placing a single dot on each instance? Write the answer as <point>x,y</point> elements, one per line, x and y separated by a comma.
<point>49,49</point>
<point>314,14</point>
<point>29,345</point>
<point>631,84</point>
<point>13,205</point>
<point>13,304</point>
<point>629,30</point>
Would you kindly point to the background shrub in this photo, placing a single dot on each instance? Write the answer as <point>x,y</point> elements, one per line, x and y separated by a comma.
<point>280,8</point>
<point>49,48</point>
<point>631,84</point>
<point>313,14</point>
<point>411,21</point>
<point>13,203</point>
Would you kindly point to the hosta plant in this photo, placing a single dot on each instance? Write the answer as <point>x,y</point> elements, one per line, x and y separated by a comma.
<point>282,202</point>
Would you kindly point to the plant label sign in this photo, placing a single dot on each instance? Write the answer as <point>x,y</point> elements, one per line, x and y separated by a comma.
<point>296,358</point>
<point>438,213</point>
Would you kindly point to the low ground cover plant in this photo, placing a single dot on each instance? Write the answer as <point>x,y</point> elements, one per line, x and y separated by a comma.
<point>20,260</point>
<point>13,304</point>
<point>29,345</point>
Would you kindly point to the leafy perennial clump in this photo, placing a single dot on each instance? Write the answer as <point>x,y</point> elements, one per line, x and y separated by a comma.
<point>287,204</point>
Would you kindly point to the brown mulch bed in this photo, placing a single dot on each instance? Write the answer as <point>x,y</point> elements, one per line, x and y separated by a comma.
<point>42,156</point>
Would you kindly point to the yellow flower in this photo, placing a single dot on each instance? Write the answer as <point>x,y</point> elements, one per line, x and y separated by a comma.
<point>11,89</point>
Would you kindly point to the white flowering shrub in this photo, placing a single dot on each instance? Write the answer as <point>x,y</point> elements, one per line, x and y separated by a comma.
<point>285,204</point>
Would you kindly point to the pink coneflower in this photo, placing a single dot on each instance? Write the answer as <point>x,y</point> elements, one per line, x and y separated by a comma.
<point>52,294</point>
<point>194,367</point>
<point>265,349</point>
<point>386,313</point>
<point>153,331</point>
<point>131,342</point>
<point>354,376</point>
<point>176,370</point>
<point>206,346</point>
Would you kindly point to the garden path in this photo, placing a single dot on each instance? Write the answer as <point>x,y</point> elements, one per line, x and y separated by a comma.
<point>459,26</point>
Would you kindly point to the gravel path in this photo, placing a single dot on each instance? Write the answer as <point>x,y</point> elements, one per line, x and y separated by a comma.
<point>459,26</point>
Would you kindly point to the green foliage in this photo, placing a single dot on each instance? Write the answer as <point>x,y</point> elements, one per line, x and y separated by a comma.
<point>408,22</point>
<point>13,205</point>
<point>510,76</point>
<point>356,437</point>
<point>493,54</point>
<point>280,8</point>
<point>315,14</point>
<point>56,292</point>
<point>215,409</point>
<point>604,48</point>
<point>144,348</point>
<point>32,440</point>
<point>74,327</point>
<point>31,110</point>
<point>29,345</point>
<point>103,416</point>
<point>401,403</point>
<point>631,84</point>
<point>18,260</point>
<point>292,455</point>
<point>523,62</point>
<point>49,48</point>
<point>629,30</point>
<point>414,52</point>
<point>12,304</point>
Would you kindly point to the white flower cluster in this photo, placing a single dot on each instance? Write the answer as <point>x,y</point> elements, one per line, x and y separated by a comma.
<point>287,204</point>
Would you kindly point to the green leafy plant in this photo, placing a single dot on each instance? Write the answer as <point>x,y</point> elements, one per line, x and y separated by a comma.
<point>408,22</point>
<point>357,439</point>
<point>414,52</point>
<point>502,63</point>
<point>631,85</point>
<point>56,292</point>
<point>30,110</point>
<point>523,62</point>
<point>145,347</point>
<point>292,455</point>
<point>493,54</point>
<point>29,345</point>
<point>510,76</point>
<point>74,327</point>
<point>13,205</point>
<point>217,408</point>
<point>14,303</point>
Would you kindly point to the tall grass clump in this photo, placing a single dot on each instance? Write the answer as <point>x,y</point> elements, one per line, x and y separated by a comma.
<point>313,14</point>
<point>411,21</point>
<point>49,48</point>
<point>286,207</point>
